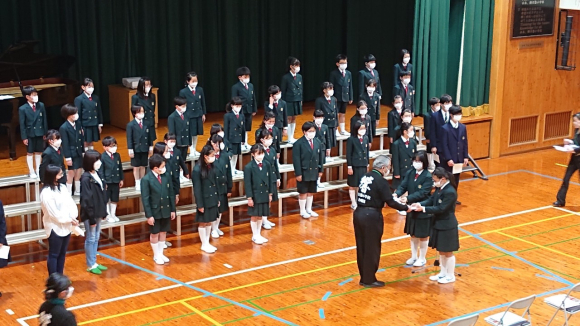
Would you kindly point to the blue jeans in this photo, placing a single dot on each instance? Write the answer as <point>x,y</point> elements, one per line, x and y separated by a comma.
<point>56,252</point>
<point>92,233</point>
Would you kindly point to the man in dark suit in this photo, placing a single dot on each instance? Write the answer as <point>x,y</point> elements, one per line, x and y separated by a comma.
<point>406,91</point>
<point>454,148</point>
<point>245,90</point>
<point>434,106</point>
<point>33,126</point>
<point>343,90</point>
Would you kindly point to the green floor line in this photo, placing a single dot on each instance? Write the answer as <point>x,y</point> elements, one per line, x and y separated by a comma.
<point>257,307</point>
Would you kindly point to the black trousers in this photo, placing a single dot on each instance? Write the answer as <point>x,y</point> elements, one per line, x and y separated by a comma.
<point>56,252</point>
<point>368,231</point>
<point>573,165</point>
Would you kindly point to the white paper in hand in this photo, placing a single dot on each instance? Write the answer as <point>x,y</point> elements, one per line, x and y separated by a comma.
<point>457,168</point>
<point>4,251</point>
<point>76,230</point>
<point>436,158</point>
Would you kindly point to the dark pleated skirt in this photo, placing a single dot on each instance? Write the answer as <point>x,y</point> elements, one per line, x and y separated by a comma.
<point>236,149</point>
<point>354,179</point>
<point>294,108</point>
<point>259,209</point>
<point>210,214</point>
<point>418,227</point>
<point>92,134</point>
<point>332,136</point>
<point>444,240</point>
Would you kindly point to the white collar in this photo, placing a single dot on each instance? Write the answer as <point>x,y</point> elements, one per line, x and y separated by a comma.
<point>419,172</point>
<point>293,74</point>
<point>192,89</point>
<point>55,148</point>
<point>87,95</point>
<point>454,124</point>
<point>404,139</point>
<point>72,123</point>
<point>138,121</point>
<point>446,183</point>
<point>31,103</point>
<point>327,98</point>
<point>370,93</point>
<point>155,174</point>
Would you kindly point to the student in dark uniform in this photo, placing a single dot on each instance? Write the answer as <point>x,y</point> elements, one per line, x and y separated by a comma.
<point>402,66</point>
<point>266,139</point>
<point>33,127</point>
<point>417,185</point>
<point>327,104</point>
<point>279,107</point>
<point>308,162</point>
<point>52,311</point>
<point>434,107</point>
<point>369,72</point>
<point>90,113</point>
<point>373,105</point>
<point>444,232</point>
<point>403,152</point>
<point>292,93</point>
<point>205,188</point>
<point>362,115</point>
<point>245,91</point>
<point>3,242</point>
<point>357,159</point>
<point>176,162</point>
<point>406,91</point>
<point>159,205</point>
<point>178,124</point>
<point>394,117</point>
<point>438,120</point>
<point>162,149</point>
<point>234,130</point>
<point>406,116</point>
<point>146,99</point>
<point>223,170</point>
<point>573,164</point>
<point>195,111</point>
<point>342,81</point>
<point>368,219</point>
<point>454,147</point>
<point>322,134</point>
<point>72,147</point>
<point>217,129</point>
<point>112,174</point>
<point>139,144</point>
<point>269,124</point>
<point>259,179</point>
<point>52,155</point>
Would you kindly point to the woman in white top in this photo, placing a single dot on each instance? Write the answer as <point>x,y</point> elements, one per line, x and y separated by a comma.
<point>59,215</point>
<point>93,208</point>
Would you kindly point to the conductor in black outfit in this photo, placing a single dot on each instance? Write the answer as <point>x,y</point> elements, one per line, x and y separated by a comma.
<point>368,219</point>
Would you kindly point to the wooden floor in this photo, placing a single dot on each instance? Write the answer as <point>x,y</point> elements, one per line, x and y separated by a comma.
<point>513,244</point>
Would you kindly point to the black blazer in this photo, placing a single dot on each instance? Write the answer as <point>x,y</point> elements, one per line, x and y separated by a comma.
<point>292,88</point>
<point>343,90</point>
<point>393,120</point>
<point>248,97</point>
<point>402,156</point>
<point>93,199</point>
<point>442,205</point>
<point>357,153</point>
<point>148,104</point>
<point>111,170</point>
<point>307,162</point>
<point>280,111</point>
<point>428,129</point>
<point>258,183</point>
<point>72,140</point>
<point>271,158</point>
<point>224,173</point>
<point>138,138</point>
<point>54,157</point>
<point>205,189</point>
<point>454,143</point>
<point>3,230</point>
<point>234,129</point>
<point>408,96</point>
<point>90,113</point>
<point>418,190</point>
<point>367,123</point>
<point>363,76</point>
<point>436,129</point>
<point>276,138</point>
<point>195,103</point>
<point>373,105</point>
<point>329,109</point>
<point>158,198</point>
<point>398,68</point>
<point>322,134</point>
<point>180,127</point>
<point>32,123</point>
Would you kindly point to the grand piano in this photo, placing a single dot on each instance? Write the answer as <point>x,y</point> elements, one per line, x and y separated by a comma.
<point>21,66</point>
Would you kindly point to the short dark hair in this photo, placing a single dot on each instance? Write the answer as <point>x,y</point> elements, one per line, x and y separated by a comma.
<point>355,127</point>
<point>264,133</point>
<point>236,100</point>
<point>269,115</point>
<point>318,113</point>
<point>369,57</point>
<point>422,156</point>
<point>404,73</point>
<point>397,97</point>
<point>341,57</point>
<point>406,111</point>
<point>49,178</point>
<point>326,85</point>
<point>257,148</point>
<point>215,138</point>
<point>55,284</point>
<point>190,75</point>
<point>28,90</point>
<point>108,141</point>
<point>403,52</point>
<point>434,100</point>
<point>307,126</point>
<point>361,103</point>
<point>274,89</point>
<point>215,128</point>
<point>292,61</point>
<point>155,161</point>
<point>405,126</point>
<point>446,98</point>
<point>141,86</point>
<point>371,82</point>
<point>159,148</point>
<point>242,71</point>
<point>440,172</point>
<point>169,136</point>
<point>136,109</point>
<point>455,109</point>
<point>87,81</point>
<point>179,101</point>
<point>67,110</point>
<point>91,156</point>
<point>52,134</point>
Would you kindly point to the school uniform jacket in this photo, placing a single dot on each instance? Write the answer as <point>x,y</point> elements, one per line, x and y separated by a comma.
<point>398,68</point>
<point>407,96</point>
<point>54,157</point>
<point>137,137</point>
<point>442,205</point>
<point>72,140</point>
<point>323,136</point>
<point>276,138</point>
<point>364,75</point>
<point>224,173</point>
<point>367,124</point>
<point>280,110</point>
<point>173,163</point>
<point>258,183</point>
<point>234,129</point>
<point>307,162</point>
<point>343,90</point>
<point>32,123</point>
<point>403,156</point>
<point>205,189</point>
<point>436,129</point>
<point>419,189</point>
<point>195,103</point>
<point>158,198</point>
<point>148,104</point>
<point>393,120</point>
<point>454,143</point>
<point>112,168</point>
<point>329,109</point>
<point>93,199</point>
<point>90,113</point>
<point>373,105</point>
<point>292,88</point>
<point>357,153</point>
<point>427,127</point>
<point>180,127</point>
<point>271,157</point>
<point>3,262</point>
<point>248,97</point>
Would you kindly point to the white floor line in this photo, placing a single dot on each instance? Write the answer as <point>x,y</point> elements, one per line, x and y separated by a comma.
<point>128,296</point>
<point>567,210</point>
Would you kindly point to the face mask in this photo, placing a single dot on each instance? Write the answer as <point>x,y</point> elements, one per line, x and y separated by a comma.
<point>210,159</point>
<point>278,96</point>
<point>370,89</point>
<point>437,108</point>
<point>330,92</point>
<point>372,65</point>
<point>268,142</point>
<point>222,146</point>
<point>162,171</point>
<point>296,70</point>
<point>406,81</point>
<point>193,85</point>
<point>398,106</point>
<point>221,134</point>
<point>362,132</point>
<point>35,99</point>
<point>181,109</point>
<point>246,80</point>
<point>406,60</point>
<point>407,119</point>
<point>139,116</point>
<point>171,145</point>
<point>75,117</point>
<point>447,106</point>
<point>90,90</point>
<point>97,165</point>
<point>113,150</point>
<point>167,155</point>
<point>411,134</point>
<point>318,121</point>
<point>310,135</point>
<point>342,66</point>
<point>268,126</point>
<point>56,143</point>
<point>418,166</point>
<point>437,184</point>
<point>147,89</point>
<point>457,117</point>
<point>69,292</point>
<point>363,112</point>
<point>236,109</point>
<point>259,158</point>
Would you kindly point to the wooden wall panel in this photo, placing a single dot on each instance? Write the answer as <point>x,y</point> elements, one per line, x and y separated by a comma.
<point>478,139</point>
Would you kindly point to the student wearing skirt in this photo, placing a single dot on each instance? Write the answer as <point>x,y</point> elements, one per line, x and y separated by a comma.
<point>234,130</point>
<point>217,129</point>
<point>146,99</point>
<point>362,115</point>
<point>205,190</point>
<point>444,232</point>
<point>225,181</point>
<point>269,124</point>
<point>258,183</point>
<point>266,139</point>
<point>357,159</point>
<point>292,93</point>
<point>417,183</point>
<point>90,113</point>
<point>327,104</point>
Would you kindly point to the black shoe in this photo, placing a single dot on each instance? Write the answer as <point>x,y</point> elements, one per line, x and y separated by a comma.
<point>376,284</point>
<point>558,204</point>
<point>458,203</point>
<point>360,283</point>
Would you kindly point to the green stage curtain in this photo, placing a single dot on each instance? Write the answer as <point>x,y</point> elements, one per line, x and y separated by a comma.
<point>164,40</point>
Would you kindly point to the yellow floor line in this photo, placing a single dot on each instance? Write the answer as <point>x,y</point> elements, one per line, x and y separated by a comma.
<point>206,317</point>
<point>539,246</point>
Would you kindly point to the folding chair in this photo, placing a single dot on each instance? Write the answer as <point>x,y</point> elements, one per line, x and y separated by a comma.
<point>568,311</point>
<point>508,318</point>
<point>466,321</point>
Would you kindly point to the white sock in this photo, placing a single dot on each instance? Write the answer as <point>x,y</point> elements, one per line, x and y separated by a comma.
<point>318,180</point>
<point>218,221</point>
<point>207,234</point>
<point>160,247</point>
<point>214,226</point>
<point>38,160</point>
<point>450,266</point>
<point>138,183</point>
<point>91,147</point>
<point>234,162</point>
<point>259,228</point>
<point>155,250</point>
<point>69,187</point>
<point>423,249</point>
<point>442,264</point>
<point>30,165</point>
<point>342,125</point>
<point>352,194</point>
<point>309,201</point>
<point>414,243</point>
<point>246,138</point>
<point>291,129</point>
<point>302,204</point>
<point>264,219</point>
<point>86,149</point>
<point>114,209</point>
<point>201,233</point>
<point>254,226</point>
<point>77,186</point>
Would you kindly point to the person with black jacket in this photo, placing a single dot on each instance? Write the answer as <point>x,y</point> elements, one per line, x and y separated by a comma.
<point>52,311</point>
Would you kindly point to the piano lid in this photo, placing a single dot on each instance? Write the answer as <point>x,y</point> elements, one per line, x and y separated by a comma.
<point>31,65</point>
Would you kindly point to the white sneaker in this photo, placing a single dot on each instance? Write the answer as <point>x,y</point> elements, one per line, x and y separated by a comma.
<point>345,133</point>
<point>138,187</point>
<point>238,172</point>
<point>436,277</point>
<point>312,214</point>
<point>215,234</point>
<point>33,176</point>
<point>214,248</point>
<point>110,219</point>
<point>266,226</point>
<point>411,261</point>
<point>207,249</point>
<point>220,232</point>
<point>264,240</point>
<point>257,241</point>
<point>159,261</point>
<point>164,258</point>
<point>447,279</point>
<point>196,154</point>
<point>402,213</point>
<point>77,193</point>
<point>338,133</point>
<point>420,262</point>
<point>320,185</point>
<point>116,218</point>
<point>291,141</point>
<point>167,244</point>
<point>271,223</point>
<point>305,215</point>
<point>164,245</point>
